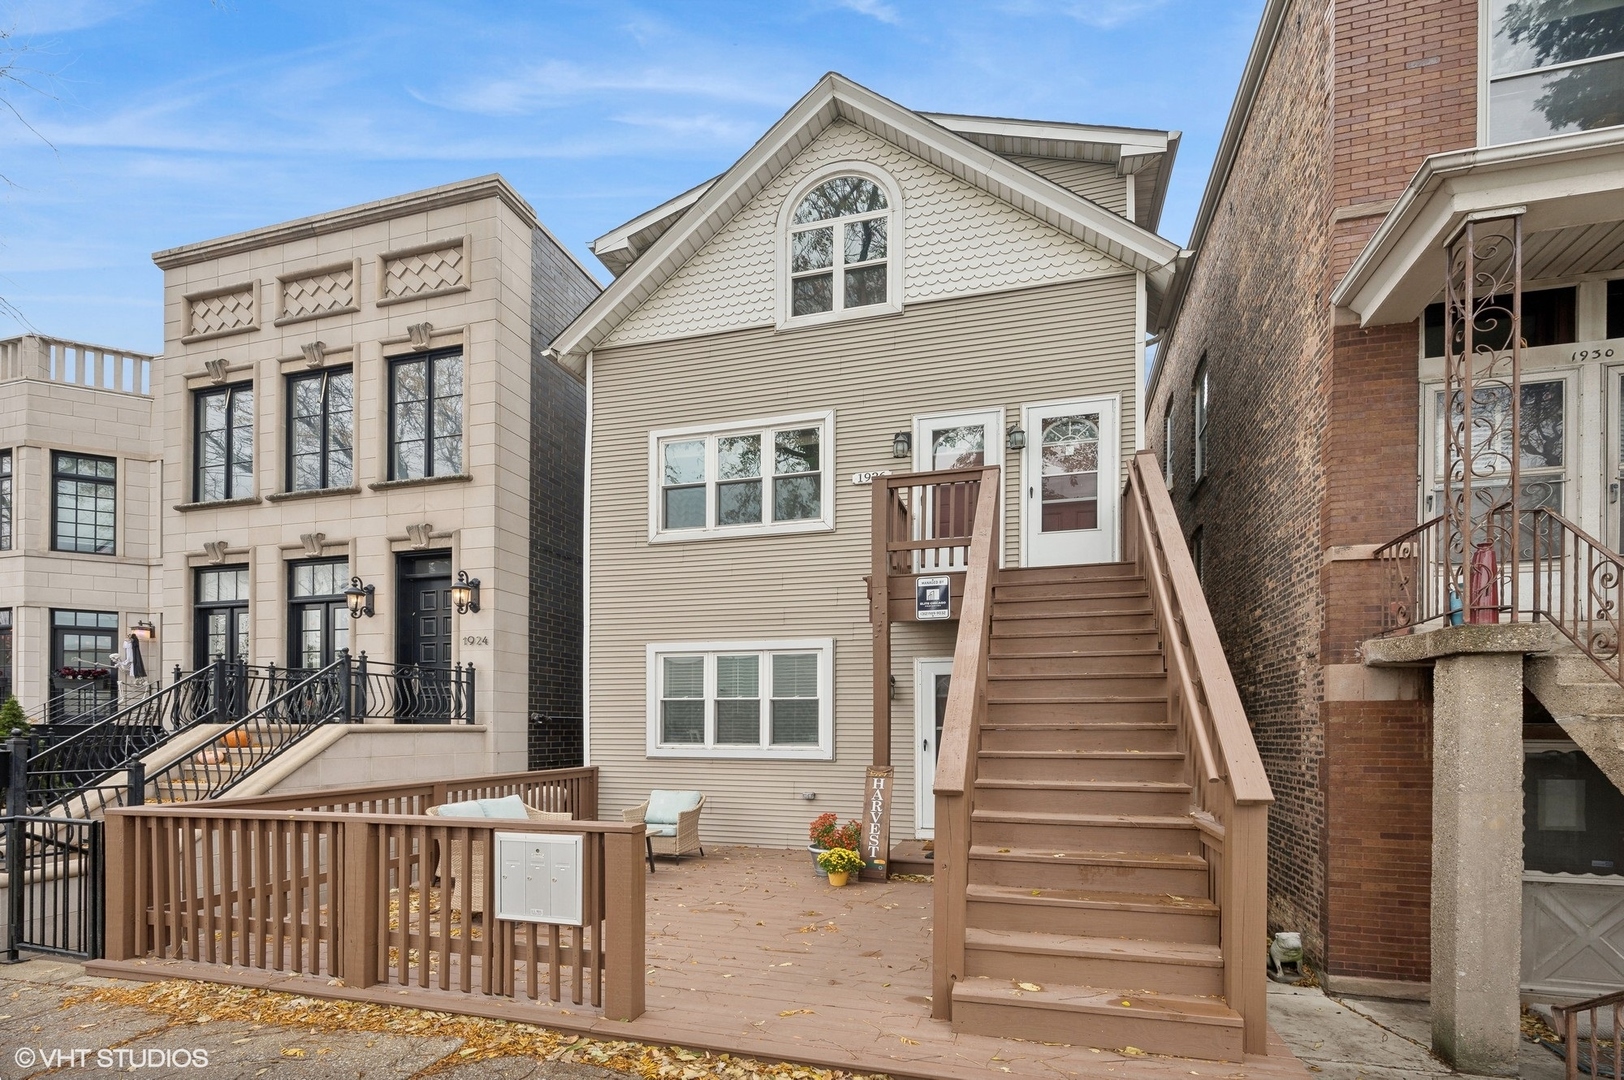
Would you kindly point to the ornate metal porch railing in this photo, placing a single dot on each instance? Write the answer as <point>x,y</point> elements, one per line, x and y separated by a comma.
<point>1522,566</point>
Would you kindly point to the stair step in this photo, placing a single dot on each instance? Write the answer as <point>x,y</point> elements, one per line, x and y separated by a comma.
<point>1049,575</point>
<point>1112,796</point>
<point>1144,916</point>
<point>1135,686</point>
<point>1166,766</point>
<point>1163,966</point>
<point>1068,590</point>
<point>1093,662</point>
<point>1076,643</point>
<point>1006,730</point>
<point>1093,602</point>
<point>1067,626</point>
<point>1035,868</point>
<point>1119,833</point>
<point>1183,1026</point>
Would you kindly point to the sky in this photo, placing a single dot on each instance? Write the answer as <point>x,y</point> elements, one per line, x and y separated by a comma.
<point>140,126</point>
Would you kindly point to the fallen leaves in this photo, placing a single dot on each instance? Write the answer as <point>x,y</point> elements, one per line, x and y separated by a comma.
<point>1031,988</point>
<point>480,1039</point>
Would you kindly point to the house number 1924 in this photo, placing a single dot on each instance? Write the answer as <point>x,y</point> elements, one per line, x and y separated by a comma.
<point>476,639</point>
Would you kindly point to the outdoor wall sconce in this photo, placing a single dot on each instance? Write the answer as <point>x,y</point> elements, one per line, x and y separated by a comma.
<point>1015,438</point>
<point>902,444</point>
<point>465,593</point>
<point>359,598</point>
<point>143,630</point>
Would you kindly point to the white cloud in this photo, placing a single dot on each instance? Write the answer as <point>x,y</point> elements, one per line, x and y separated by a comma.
<point>57,16</point>
<point>874,9</point>
<point>556,81</point>
<point>1100,14</point>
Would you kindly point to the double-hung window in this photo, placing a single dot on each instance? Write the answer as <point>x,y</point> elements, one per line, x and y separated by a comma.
<point>758,477</point>
<point>1554,66</point>
<point>839,248</point>
<point>83,503</point>
<point>425,415</point>
<point>321,430</point>
<point>223,448</point>
<point>5,500</point>
<point>771,699</point>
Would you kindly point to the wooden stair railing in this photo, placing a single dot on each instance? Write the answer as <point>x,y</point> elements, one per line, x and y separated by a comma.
<point>958,747</point>
<point>1231,793</point>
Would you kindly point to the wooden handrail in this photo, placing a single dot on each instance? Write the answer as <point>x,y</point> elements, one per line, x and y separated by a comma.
<point>1236,751</point>
<point>957,747</point>
<point>1231,800</point>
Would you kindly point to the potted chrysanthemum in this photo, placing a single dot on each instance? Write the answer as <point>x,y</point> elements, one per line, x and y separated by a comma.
<point>840,864</point>
<point>827,834</point>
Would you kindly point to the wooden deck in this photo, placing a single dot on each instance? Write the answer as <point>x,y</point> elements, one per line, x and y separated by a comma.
<point>750,953</point>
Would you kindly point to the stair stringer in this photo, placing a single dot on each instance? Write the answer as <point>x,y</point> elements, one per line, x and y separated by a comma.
<point>1590,710</point>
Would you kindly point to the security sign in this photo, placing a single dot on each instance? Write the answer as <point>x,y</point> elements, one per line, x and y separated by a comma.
<point>933,598</point>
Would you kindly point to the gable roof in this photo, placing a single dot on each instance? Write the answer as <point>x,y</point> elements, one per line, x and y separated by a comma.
<point>701,212</point>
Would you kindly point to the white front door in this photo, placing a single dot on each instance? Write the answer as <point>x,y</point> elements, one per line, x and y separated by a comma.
<point>1070,483</point>
<point>965,440</point>
<point>931,680</point>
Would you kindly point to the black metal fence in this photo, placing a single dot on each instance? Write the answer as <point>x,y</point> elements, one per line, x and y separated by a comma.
<point>55,888</point>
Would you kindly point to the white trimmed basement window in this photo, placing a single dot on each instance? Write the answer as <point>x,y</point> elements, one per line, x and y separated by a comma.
<point>742,699</point>
<point>747,479</point>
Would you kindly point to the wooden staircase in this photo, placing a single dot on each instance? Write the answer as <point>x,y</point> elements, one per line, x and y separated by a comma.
<point>1086,874</point>
<point>1101,809</point>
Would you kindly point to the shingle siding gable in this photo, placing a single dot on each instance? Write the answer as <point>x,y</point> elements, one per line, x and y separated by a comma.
<point>957,241</point>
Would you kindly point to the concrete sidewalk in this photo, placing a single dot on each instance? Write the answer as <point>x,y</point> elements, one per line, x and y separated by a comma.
<point>1347,1038</point>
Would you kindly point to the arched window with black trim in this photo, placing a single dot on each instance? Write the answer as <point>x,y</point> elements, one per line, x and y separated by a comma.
<point>839,247</point>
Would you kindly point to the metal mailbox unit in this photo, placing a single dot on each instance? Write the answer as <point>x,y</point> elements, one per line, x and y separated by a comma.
<point>539,877</point>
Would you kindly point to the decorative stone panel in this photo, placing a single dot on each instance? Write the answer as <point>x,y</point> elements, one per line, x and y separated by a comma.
<point>311,294</point>
<point>955,240</point>
<point>219,312</point>
<point>434,269</point>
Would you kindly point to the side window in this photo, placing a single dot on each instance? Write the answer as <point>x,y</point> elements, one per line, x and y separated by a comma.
<point>5,502</point>
<point>1198,412</point>
<point>83,503</point>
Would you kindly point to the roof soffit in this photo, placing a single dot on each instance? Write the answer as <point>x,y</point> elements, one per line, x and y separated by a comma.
<point>1560,182</point>
<point>837,98</point>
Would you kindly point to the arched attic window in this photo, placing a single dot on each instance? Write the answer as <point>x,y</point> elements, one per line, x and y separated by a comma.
<point>839,242</point>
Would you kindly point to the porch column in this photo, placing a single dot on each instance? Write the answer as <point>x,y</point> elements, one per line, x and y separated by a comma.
<point>1477,835</point>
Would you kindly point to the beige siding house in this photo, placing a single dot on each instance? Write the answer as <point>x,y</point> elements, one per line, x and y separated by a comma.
<point>868,289</point>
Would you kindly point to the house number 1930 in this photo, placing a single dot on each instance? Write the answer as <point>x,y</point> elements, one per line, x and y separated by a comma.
<point>476,639</point>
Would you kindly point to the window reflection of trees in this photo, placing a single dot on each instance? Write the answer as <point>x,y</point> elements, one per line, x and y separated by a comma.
<point>1544,33</point>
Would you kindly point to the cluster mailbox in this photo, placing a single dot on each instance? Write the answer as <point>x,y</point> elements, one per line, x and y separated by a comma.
<point>539,877</point>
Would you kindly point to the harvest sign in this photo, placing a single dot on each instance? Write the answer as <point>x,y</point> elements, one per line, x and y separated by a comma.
<point>877,822</point>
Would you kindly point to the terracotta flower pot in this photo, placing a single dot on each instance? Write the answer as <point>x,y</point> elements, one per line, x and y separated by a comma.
<point>839,878</point>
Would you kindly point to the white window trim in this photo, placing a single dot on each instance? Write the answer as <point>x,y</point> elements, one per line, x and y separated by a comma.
<point>1200,419</point>
<point>895,233</point>
<point>1432,480</point>
<point>1486,77</point>
<point>823,647</point>
<point>825,421</point>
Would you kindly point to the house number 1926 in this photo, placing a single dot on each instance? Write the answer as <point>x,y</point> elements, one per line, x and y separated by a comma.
<point>476,639</point>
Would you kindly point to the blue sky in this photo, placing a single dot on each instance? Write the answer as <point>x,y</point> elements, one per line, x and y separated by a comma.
<point>173,121</point>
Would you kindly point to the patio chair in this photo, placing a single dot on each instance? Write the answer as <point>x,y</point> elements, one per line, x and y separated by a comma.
<point>672,818</point>
<point>511,808</point>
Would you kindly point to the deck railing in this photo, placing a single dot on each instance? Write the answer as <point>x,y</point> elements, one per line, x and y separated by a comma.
<point>958,746</point>
<point>1230,791</point>
<point>573,791</point>
<point>1588,1055</point>
<point>1527,565</point>
<point>364,905</point>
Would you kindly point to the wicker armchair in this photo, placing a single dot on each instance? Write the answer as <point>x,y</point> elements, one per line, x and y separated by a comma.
<point>672,818</point>
<point>476,897</point>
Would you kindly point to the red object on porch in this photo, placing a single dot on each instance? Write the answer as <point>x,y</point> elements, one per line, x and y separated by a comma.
<point>1485,590</point>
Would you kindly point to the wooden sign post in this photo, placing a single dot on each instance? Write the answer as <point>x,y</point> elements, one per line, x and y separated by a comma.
<point>877,822</point>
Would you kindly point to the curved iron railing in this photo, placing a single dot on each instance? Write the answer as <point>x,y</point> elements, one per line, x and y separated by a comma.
<point>308,700</point>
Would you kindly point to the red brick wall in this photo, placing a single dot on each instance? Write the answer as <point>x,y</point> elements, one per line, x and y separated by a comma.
<point>1313,445</point>
<point>1378,809</point>
<point>1255,308</point>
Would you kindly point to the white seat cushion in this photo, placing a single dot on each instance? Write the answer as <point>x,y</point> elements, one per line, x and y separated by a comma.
<point>664,806</point>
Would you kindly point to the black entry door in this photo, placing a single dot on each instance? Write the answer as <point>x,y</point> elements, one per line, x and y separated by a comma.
<point>423,637</point>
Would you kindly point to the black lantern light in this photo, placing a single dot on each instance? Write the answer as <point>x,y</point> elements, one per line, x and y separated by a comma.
<point>359,598</point>
<point>465,593</point>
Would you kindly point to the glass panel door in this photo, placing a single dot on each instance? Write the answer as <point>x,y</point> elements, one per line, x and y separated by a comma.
<point>1069,472</point>
<point>971,440</point>
<point>318,617</point>
<point>82,674</point>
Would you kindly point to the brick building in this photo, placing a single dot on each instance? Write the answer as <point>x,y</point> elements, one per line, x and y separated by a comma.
<point>1297,405</point>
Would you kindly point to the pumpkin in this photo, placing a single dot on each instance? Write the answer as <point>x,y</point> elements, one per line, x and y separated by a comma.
<point>236,740</point>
